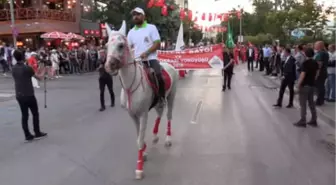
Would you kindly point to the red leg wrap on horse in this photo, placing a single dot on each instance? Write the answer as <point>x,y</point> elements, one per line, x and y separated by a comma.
<point>169,128</point>
<point>140,160</point>
<point>156,126</point>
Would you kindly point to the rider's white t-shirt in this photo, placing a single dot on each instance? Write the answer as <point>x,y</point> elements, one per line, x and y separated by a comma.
<point>142,38</point>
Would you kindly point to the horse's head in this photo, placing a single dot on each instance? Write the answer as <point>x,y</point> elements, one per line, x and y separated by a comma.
<point>118,51</point>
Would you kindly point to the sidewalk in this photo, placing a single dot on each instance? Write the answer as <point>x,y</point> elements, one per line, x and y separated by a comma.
<point>327,111</point>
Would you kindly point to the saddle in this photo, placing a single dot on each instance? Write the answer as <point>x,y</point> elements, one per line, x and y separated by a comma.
<point>154,83</point>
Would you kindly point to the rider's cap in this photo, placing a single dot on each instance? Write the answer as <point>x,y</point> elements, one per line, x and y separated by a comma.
<point>138,10</point>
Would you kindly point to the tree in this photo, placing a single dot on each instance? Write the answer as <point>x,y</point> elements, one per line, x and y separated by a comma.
<point>168,26</point>
<point>278,18</point>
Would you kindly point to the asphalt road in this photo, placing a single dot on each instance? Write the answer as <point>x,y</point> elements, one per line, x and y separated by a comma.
<point>235,138</point>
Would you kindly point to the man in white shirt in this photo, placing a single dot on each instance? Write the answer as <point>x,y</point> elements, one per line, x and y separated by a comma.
<point>145,40</point>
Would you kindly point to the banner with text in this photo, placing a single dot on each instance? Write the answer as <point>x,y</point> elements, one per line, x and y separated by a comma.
<point>204,57</point>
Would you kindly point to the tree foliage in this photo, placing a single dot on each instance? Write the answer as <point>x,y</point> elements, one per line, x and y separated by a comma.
<point>276,19</point>
<point>118,10</point>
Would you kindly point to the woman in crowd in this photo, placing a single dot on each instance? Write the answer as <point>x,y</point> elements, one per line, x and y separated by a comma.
<point>330,85</point>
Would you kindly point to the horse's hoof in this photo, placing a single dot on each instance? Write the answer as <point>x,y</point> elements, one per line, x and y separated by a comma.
<point>168,142</point>
<point>144,157</point>
<point>139,174</point>
<point>155,139</point>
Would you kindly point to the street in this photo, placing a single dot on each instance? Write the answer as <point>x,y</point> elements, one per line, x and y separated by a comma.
<point>234,137</point>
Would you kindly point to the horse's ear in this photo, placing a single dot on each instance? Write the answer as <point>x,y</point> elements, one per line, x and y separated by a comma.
<point>108,29</point>
<point>122,29</point>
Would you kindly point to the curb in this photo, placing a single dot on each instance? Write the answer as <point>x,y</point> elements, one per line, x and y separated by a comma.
<point>321,114</point>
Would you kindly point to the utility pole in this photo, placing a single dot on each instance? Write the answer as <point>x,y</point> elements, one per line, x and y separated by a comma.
<point>240,25</point>
<point>14,31</point>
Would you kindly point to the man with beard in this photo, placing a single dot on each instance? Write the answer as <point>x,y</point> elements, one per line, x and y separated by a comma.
<point>144,38</point>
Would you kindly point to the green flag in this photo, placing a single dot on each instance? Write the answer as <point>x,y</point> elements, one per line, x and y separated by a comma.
<point>229,39</point>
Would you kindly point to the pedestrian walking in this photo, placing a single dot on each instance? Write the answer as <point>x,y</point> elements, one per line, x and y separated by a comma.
<point>25,95</point>
<point>227,68</point>
<point>3,62</point>
<point>105,79</point>
<point>306,85</point>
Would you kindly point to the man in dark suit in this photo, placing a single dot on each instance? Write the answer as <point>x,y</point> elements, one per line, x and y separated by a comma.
<point>250,58</point>
<point>288,79</point>
<point>260,59</point>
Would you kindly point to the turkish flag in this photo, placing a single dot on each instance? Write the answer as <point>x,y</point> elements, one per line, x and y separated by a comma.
<point>164,10</point>
<point>203,16</point>
<point>225,17</point>
<point>220,16</point>
<point>238,13</point>
<point>159,3</point>
<point>190,15</point>
<point>150,3</point>
<point>210,16</point>
<point>182,14</point>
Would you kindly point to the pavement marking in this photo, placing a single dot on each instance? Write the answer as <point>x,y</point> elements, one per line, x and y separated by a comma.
<point>197,111</point>
<point>6,95</point>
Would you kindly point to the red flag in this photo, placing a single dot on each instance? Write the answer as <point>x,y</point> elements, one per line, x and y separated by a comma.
<point>190,15</point>
<point>226,17</point>
<point>182,14</point>
<point>215,17</point>
<point>210,17</point>
<point>206,29</point>
<point>224,29</point>
<point>150,3</point>
<point>195,16</point>
<point>172,7</point>
<point>164,10</point>
<point>159,3</point>
<point>203,16</point>
<point>238,13</point>
<point>220,16</point>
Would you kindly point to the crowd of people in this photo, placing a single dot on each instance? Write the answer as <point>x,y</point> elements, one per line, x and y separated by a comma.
<point>310,66</point>
<point>56,61</point>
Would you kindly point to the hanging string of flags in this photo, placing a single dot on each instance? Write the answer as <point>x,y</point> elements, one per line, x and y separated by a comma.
<point>189,15</point>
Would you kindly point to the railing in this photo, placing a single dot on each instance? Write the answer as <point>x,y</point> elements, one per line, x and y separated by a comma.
<point>38,13</point>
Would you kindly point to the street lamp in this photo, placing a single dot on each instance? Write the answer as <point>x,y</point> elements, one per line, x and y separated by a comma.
<point>14,31</point>
<point>240,25</point>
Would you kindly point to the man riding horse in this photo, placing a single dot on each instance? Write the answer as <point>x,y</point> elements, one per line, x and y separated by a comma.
<point>139,93</point>
<point>144,39</point>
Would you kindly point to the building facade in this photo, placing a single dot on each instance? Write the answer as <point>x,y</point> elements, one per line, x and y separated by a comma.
<point>34,17</point>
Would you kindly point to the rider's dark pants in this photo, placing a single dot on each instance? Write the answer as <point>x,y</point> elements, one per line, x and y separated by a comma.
<point>157,69</point>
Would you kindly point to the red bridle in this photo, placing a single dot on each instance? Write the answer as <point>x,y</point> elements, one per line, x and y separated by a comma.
<point>124,63</point>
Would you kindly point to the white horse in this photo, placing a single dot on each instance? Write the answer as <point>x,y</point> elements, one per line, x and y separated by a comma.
<point>138,94</point>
